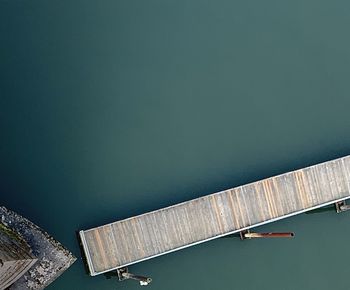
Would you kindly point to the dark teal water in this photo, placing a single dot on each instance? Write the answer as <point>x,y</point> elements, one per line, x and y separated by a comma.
<point>112,108</point>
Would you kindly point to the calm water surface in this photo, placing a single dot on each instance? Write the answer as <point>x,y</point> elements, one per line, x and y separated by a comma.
<point>112,108</point>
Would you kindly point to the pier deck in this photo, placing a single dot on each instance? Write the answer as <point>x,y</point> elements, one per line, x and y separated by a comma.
<point>145,236</point>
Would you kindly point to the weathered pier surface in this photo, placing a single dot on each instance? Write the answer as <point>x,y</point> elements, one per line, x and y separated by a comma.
<point>145,236</point>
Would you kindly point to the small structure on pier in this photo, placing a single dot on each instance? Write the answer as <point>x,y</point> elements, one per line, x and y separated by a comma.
<point>129,241</point>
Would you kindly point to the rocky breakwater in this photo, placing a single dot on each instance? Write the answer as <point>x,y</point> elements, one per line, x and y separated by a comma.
<point>52,258</point>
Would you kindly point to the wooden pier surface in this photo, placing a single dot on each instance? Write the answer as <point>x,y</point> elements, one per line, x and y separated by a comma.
<point>162,231</point>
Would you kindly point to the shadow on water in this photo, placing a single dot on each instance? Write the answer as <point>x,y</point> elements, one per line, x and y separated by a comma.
<point>322,209</point>
<point>110,275</point>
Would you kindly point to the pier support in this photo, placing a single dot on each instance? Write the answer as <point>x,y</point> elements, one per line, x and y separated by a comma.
<point>249,235</point>
<point>123,274</point>
<point>341,206</point>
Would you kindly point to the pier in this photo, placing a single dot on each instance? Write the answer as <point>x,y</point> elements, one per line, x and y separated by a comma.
<point>132,240</point>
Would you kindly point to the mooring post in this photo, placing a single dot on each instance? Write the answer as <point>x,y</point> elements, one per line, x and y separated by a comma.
<point>248,235</point>
<point>123,274</point>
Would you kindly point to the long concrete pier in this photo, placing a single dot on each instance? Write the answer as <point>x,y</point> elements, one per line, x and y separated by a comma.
<point>149,235</point>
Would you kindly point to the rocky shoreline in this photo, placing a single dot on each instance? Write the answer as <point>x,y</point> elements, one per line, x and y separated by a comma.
<point>53,257</point>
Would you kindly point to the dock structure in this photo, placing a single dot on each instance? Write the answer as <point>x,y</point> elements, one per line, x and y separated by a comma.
<point>152,234</point>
